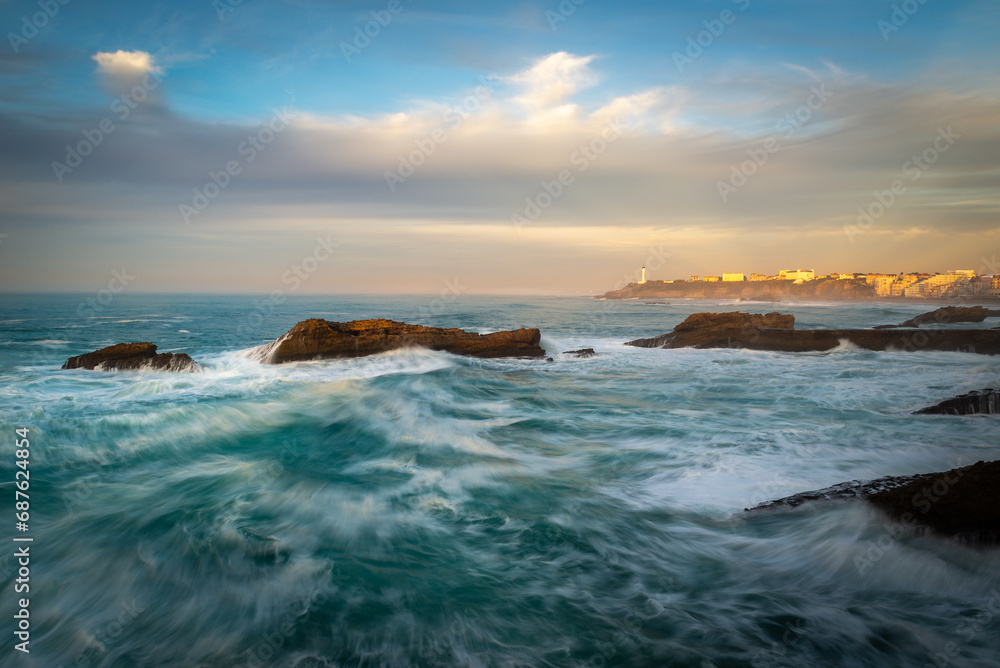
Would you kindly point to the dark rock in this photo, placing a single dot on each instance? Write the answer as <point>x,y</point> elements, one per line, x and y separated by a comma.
<point>130,357</point>
<point>316,339</point>
<point>775,332</point>
<point>962,503</point>
<point>947,314</point>
<point>582,352</point>
<point>980,401</point>
<point>715,330</point>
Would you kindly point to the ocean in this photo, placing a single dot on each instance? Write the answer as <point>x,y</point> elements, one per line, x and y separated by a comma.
<point>421,509</point>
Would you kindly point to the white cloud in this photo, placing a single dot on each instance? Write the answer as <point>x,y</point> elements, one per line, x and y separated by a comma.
<point>122,70</point>
<point>554,78</point>
<point>126,63</point>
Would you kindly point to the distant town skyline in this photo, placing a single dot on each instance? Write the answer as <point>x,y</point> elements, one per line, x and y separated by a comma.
<point>536,148</point>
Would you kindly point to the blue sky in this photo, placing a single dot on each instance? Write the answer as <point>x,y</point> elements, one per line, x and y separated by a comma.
<point>559,77</point>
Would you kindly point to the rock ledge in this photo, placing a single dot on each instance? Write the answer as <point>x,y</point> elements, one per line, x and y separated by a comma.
<point>132,357</point>
<point>316,339</point>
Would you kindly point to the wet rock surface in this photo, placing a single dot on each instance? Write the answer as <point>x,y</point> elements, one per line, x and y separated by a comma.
<point>775,332</point>
<point>962,503</point>
<point>322,339</point>
<point>948,314</point>
<point>984,402</point>
<point>132,357</point>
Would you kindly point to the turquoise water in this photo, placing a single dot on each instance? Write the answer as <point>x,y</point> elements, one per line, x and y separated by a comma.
<point>421,509</point>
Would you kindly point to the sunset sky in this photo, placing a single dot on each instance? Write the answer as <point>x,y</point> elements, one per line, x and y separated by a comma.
<point>516,147</point>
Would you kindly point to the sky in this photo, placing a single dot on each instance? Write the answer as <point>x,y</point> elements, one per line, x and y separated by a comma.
<point>538,147</point>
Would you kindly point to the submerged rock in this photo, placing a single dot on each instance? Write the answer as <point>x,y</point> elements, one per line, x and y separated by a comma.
<point>316,339</point>
<point>947,314</point>
<point>985,401</point>
<point>131,357</point>
<point>775,332</point>
<point>962,503</point>
<point>582,352</point>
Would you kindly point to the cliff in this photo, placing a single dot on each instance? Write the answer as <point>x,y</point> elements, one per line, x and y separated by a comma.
<point>825,289</point>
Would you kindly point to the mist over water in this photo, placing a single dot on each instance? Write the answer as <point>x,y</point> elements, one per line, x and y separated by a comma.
<point>418,508</point>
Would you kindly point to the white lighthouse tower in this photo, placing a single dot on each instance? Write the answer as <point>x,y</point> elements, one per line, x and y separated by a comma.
<point>643,275</point>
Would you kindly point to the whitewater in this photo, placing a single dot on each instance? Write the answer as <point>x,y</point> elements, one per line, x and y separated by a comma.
<point>416,508</point>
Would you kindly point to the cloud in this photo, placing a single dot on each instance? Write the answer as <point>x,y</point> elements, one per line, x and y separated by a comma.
<point>554,78</point>
<point>655,184</point>
<point>122,70</point>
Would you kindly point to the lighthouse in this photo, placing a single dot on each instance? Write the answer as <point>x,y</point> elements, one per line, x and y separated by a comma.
<point>643,275</point>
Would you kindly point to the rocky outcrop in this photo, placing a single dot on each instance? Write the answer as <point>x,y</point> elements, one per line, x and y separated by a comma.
<point>962,503</point>
<point>716,330</point>
<point>582,352</point>
<point>775,332</point>
<point>316,339</point>
<point>131,357</point>
<point>978,402</point>
<point>948,314</point>
<point>823,289</point>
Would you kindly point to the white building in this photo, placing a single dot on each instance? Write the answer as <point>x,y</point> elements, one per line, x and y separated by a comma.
<point>797,274</point>
<point>727,278</point>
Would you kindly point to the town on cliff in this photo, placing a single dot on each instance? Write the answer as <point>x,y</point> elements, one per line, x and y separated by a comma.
<point>805,284</point>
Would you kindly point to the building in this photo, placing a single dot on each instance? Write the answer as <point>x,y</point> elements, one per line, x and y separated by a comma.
<point>882,282</point>
<point>953,282</point>
<point>903,281</point>
<point>695,279</point>
<point>992,285</point>
<point>847,277</point>
<point>796,274</point>
<point>643,280</point>
<point>759,277</point>
<point>711,279</point>
<point>733,278</point>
